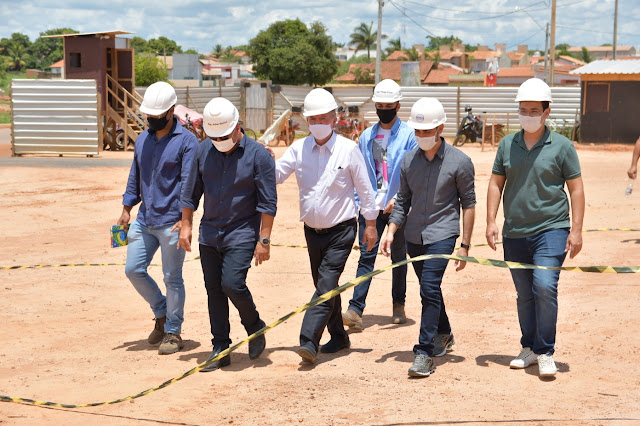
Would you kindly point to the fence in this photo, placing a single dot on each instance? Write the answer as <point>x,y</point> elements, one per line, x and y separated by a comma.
<point>54,117</point>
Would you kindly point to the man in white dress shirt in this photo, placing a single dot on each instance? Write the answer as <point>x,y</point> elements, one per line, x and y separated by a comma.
<point>328,167</point>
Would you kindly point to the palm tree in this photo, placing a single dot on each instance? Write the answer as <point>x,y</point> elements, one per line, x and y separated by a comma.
<point>362,38</point>
<point>586,56</point>
<point>394,44</point>
<point>412,54</point>
<point>17,55</point>
<point>217,51</point>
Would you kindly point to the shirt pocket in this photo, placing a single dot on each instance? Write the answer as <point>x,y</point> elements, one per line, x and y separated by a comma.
<point>340,178</point>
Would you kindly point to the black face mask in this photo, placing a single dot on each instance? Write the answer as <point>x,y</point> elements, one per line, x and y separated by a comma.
<point>158,123</point>
<point>386,115</point>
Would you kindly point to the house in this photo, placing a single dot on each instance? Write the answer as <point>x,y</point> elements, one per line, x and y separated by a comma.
<point>610,101</point>
<point>440,77</point>
<point>478,59</point>
<point>561,74</point>
<point>568,60</point>
<point>456,56</point>
<point>388,69</point>
<point>604,52</point>
<point>57,69</point>
<point>344,53</point>
<point>514,76</point>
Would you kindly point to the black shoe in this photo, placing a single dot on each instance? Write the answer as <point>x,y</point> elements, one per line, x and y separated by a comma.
<point>335,344</point>
<point>257,345</point>
<point>422,366</point>
<point>222,362</point>
<point>308,353</point>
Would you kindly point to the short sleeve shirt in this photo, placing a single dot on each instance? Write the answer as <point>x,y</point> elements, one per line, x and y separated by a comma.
<point>534,198</point>
<point>379,148</point>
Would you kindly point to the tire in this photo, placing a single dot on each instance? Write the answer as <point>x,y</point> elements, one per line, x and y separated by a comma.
<point>120,141</point>
<point>250,133</point>
<point>459,140</point>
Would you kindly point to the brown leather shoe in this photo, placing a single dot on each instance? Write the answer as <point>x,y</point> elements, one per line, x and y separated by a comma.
<point>171,343</point>
<point>398,314</point>
<point>352,320</point>
<point>158,331</point>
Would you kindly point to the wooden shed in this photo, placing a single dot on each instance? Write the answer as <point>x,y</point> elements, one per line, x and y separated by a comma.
<point>610,101</point>
<point>109,60</point>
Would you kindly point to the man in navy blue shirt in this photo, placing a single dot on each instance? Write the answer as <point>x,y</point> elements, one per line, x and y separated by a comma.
<point>237,177</point>
<point>161,161</point>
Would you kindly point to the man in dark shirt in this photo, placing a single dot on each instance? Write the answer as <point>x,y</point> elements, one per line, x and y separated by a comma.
<point>436,179</point>
<point>237,177</point>
<point>161,160</point>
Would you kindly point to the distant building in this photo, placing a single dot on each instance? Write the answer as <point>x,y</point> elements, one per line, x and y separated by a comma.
<point>388,69</point>
<point>605,52</point>
<point>57,69</point>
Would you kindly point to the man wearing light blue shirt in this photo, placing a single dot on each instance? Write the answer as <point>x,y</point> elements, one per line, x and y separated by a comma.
<point>161,161</point>
<point>383,147</point>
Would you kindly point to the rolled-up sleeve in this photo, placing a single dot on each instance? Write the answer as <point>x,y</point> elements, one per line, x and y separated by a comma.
<point>194,186</point>
<point>403,198</point>
<point>265,180</point>
<point>131,196</point>
<point>465,183</point>
<point>191,145</point>
<point>361,181</point>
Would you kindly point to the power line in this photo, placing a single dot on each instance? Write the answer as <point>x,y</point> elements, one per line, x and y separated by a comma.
<point>410,18</point>
<point>470,11</point>
<point>526,39</point>
<point>459,20</point>
<point>594,31</point>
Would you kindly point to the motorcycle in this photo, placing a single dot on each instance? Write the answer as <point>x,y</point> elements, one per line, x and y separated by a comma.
<point>470,128</point>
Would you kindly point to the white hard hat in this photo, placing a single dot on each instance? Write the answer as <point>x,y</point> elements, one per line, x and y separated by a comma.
<point>534,90</point>
<point>220,117</point>
<point>319,101</point>
<point>387,91</point>
<point>427,114</point>
<point>158,98</point>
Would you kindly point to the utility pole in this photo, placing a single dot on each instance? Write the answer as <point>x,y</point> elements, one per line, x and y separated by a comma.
<point>546,55</point>
<point>552,47</point>
<point>379,41</point>
<point>615,30</point>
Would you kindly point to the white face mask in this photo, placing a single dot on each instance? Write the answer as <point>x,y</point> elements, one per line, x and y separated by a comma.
<point>224,145</point>
<point>320,131</point>
<point>530,124</point>
<point>428,142</point>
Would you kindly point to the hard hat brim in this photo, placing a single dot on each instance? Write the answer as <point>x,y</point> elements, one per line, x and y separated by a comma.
<point>384,100</point>
<point>222,133</point>
<point>154,111</point>
<point>318,112</point>
<point>424,126</point>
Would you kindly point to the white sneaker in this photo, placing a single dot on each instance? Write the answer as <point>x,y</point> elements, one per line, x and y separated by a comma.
<point>546,366</point>
<point>525,359</point>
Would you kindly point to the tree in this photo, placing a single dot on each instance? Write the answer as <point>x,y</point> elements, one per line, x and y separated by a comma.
<point>585,56</point>
<point>149,70</point>
<point>394,44</point>
<point>289,52</point>
<point>228,55</point>
<point>17,55</point>
<point>217,51</point>
<point>21,39</point>
<point>163,46</point>
<point>46,51</point>
<point>191,51</point>
<point>412,54</point>
<point>363,38</point>
<point>436,42</point>
<point>363,76</point>
<point>139,45</point>
<point>563,49</point>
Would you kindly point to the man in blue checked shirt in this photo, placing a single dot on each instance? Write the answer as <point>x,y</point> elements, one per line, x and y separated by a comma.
<point>237,177</point>
<point>161,161</point>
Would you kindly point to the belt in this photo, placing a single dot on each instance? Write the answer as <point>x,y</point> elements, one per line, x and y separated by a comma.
<point>341,225</point>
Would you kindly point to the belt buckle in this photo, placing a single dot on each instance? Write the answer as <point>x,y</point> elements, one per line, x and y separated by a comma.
<point>321,230</point>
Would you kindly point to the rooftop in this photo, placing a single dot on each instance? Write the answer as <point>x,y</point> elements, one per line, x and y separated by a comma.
<point>610,67</point>
<point>108,34</point>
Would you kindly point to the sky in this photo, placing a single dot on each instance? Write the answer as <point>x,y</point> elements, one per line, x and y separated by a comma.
<point>200,25</point>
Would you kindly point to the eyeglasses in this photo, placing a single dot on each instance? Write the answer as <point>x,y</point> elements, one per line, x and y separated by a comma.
<point>531,113</point>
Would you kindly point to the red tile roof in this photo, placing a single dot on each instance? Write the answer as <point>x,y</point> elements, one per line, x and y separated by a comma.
<point>388,69</point>
<point>481,55</point>
<point>440,76</point>
<point>59,64</point>
<point>516,72</point>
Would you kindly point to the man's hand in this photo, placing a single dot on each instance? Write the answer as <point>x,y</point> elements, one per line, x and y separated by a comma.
<point>370,237</point>
<point>492,235</point>
<point>459,263</point>
<point>632,172</point>
<point>124,218</point>
<point>262,253</point>
<point>574,244</point>
<point>184,240</point>
<point>389,207</point>
<point>385,244</point>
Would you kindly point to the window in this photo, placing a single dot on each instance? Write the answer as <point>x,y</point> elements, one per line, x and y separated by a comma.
<point>75,60</point>
<point>596,97</point>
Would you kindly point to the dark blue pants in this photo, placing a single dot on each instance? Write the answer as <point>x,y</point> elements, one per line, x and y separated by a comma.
<point>537,288</point>
<point>328,254</point>
<point>368,259</point>
<point>225,273</point>
<point>430,272</point>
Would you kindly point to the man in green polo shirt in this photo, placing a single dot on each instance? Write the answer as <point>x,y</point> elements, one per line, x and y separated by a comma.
<point>532,167</point>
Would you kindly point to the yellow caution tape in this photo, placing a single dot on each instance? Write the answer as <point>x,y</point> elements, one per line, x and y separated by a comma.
<point>323,298</point>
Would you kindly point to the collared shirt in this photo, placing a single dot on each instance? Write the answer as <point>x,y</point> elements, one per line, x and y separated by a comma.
<point>434,191</point>
<point>157,174</point>
<point>401,140</point>
<point>534,197</point>
<point>327,175</point>
<point>237,189</point>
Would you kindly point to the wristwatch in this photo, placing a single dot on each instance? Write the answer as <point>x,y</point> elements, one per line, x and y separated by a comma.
<point>467,246</point>
<point>266,241</point>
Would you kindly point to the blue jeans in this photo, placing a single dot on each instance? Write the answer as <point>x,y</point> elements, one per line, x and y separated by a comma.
<point>537,289</point>
<point>368,260</point>
<point>225,273</point>
<point>430,272</point>
<point>143,244</point>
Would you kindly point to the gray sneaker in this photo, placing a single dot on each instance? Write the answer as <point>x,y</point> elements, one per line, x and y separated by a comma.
<point>422,366</point>
<point>442,344</point>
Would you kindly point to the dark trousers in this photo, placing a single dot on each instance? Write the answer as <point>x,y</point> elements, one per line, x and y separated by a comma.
<point>328,254</point>
<point>225,272</point>
<point>368,259</point>
<point>430,272</point>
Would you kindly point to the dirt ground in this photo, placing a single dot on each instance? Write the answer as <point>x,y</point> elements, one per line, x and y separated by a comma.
<point>78,335</point>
